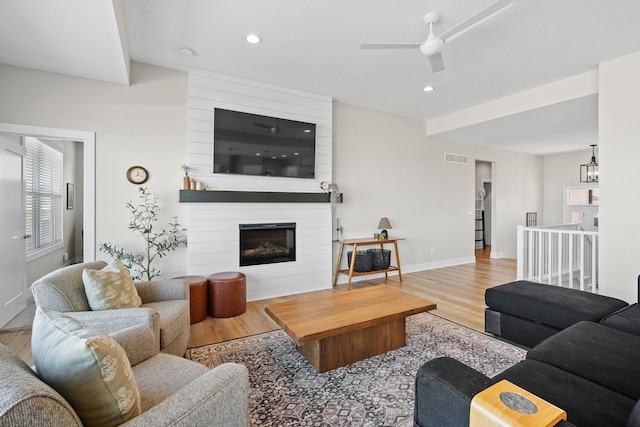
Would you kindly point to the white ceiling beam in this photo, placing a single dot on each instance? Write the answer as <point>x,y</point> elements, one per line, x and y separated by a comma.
<point>563,90</point>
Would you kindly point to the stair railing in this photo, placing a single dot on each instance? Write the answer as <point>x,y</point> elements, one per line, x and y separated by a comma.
<point>563,255</point>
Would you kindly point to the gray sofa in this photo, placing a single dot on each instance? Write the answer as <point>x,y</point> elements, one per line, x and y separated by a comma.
<point>165,305</point>
<point>174,391</point>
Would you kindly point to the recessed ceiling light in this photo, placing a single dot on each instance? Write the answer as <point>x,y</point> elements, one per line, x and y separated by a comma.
<point>307,131</point>
<point>428,88</point>
<point>187,52</point>
<point>253,39</point>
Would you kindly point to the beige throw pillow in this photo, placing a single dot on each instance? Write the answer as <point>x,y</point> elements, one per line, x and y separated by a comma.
<point>111,287</point>
<point>87,367</point>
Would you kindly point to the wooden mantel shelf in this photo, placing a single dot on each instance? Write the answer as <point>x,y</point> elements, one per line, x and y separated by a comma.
<point>208,196</point>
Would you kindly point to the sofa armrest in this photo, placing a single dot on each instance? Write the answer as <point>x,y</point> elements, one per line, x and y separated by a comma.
<point>163,290</point>
<point>138,342</point>
<point>220,397</point>
<point>121,318</point>
<point>444,389</point>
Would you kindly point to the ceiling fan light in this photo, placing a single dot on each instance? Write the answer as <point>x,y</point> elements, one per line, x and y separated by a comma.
<point>431,46</point>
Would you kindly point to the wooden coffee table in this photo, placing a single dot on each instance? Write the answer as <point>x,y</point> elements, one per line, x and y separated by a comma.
<point>337,329</point>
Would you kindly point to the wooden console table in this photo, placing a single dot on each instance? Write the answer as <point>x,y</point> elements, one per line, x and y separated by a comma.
<point>365,242</point>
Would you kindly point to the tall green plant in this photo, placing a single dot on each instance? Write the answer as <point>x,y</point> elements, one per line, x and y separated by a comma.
<point>157,242</point>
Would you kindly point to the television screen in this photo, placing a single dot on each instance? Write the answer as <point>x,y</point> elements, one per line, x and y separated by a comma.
<point>251,144</point>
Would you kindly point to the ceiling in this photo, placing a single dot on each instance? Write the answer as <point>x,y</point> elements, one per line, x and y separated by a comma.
<point>314,46</point>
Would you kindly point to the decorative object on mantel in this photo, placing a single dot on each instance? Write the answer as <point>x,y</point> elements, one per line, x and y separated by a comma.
<point>334,194</point>
<point>589,171</point>
<point>186,181</point>
<point>157,244</point>
<point>383,225</point>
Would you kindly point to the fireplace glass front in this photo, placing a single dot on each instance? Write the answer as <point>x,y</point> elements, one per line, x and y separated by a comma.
<point>267,243</point>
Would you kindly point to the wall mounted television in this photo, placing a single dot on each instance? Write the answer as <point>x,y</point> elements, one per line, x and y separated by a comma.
<point>252,144</point>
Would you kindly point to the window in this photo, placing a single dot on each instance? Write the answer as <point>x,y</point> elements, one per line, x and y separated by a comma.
<point>43,181</point>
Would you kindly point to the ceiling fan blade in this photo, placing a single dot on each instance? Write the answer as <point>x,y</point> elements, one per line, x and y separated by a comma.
<point>390,45</point>
<point>476,19</point>
<point>437,64</point>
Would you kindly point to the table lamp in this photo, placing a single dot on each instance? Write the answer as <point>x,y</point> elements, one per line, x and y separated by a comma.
<point>383,225</point>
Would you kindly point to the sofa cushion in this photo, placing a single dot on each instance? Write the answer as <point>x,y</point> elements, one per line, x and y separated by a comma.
<point>587,404</point>
<point>627,319</point>
<point>87,367</point>
<point>110,287</point>
<point>551,305</point>
<point>597,353</point>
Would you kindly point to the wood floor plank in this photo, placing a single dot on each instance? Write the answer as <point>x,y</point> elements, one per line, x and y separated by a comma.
<point>458,292</point>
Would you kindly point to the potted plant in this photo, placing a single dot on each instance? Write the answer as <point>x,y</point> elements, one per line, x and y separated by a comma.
<point>158,242</point>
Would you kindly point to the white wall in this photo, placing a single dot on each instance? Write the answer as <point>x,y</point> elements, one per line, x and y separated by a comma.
<point>619,133</point>
<point>387,166</point>
<point>142,124</point>
<point>560,170</point>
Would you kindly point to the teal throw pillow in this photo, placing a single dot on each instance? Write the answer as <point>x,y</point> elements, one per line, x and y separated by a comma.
<point>87,367</point>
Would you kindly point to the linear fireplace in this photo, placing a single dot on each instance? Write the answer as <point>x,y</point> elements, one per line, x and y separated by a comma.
<point>267,243</point>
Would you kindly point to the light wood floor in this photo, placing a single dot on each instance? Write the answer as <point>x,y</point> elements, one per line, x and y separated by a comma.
<point>458,291</point>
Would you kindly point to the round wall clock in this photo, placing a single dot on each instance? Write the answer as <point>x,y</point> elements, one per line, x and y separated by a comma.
<point>137,175</point>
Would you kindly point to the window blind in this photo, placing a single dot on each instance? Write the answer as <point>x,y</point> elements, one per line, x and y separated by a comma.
<point>44,194</point>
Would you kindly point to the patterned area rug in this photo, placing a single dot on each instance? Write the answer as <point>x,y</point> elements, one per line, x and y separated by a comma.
<point>285,390</point>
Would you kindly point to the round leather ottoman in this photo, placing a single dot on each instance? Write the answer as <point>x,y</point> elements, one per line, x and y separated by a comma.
<point>227,294</point>
<point>198,290</point>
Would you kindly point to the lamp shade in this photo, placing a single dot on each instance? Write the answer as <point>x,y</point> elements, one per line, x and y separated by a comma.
<point>384,223</point>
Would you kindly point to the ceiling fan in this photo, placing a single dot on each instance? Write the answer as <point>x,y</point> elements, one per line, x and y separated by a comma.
<point>270,129</point>
<point>432,46</point>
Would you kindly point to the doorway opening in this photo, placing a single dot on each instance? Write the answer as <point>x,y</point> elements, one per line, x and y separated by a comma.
<point>483,209</point>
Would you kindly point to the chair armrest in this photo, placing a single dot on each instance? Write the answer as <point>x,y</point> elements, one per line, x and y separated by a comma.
<point>138,342</point>
<point>218,398</point>
<point>121,318</point>
<point>163,290</point>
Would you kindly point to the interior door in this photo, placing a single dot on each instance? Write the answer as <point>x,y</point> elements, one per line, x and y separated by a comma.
<point>12,231</point>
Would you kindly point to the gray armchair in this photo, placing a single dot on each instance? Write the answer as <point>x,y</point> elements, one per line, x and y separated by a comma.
<point>165,305</point>
<point>174,391</point>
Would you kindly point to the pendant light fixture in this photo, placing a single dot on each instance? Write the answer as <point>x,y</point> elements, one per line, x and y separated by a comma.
<point>589,171</point>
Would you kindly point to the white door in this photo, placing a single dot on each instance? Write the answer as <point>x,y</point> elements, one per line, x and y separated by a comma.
<point>12,231</point>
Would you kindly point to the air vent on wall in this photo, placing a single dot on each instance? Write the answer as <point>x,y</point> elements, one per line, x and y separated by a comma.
<point>456,158</point>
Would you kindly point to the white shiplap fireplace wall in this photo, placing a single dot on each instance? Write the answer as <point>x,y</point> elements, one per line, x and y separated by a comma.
<point>213,228</point>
